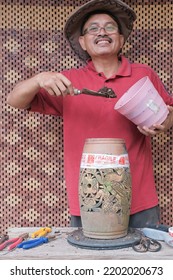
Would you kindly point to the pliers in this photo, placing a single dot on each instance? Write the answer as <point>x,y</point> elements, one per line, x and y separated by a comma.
<point>41,232</point>
<point>28,244</point>
<point>13,242</point>
<point>146,244</point>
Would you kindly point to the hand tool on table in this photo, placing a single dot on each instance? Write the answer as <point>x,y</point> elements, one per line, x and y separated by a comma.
<point>146,244</point>
<point>3,238</point>
<point>13,242</point>
<point>103,92</point>
<point>158,235</point>
<point>35,242</point>
<point>41,232</point>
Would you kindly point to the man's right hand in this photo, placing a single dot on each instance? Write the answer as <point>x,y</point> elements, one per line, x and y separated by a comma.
<point>24,92</point>
<point>54,83</point>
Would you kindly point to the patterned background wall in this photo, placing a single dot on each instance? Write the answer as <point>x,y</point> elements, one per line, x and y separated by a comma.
<point>32,185</point>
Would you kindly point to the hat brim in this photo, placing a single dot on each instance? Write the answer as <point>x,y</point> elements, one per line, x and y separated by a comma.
<point>72,30</point>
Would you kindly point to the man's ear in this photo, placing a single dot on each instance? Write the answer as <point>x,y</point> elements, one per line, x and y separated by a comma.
<point>82,42</point>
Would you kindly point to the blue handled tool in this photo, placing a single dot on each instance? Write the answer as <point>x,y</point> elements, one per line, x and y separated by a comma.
<point>34,242</point>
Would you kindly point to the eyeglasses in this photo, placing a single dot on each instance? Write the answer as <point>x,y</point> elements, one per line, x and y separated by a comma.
<point>95,29</point>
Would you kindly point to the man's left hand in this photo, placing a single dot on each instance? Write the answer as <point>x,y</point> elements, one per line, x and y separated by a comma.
<point>159,128</point>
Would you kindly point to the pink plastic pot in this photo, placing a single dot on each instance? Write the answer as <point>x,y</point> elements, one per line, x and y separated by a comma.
<point>142,104</point>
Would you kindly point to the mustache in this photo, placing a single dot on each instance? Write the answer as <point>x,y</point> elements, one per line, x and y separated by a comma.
<point>103,37</point>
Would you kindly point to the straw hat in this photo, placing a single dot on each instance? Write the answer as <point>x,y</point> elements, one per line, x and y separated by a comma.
<point>119,10</point>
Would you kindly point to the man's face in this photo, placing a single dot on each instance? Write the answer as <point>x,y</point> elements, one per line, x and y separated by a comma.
<point>101,36</point>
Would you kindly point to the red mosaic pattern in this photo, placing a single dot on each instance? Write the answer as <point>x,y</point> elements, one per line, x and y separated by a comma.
<point>33,191</point>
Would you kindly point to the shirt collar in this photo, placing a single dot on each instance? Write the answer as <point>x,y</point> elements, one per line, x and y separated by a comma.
<point>124,70</point>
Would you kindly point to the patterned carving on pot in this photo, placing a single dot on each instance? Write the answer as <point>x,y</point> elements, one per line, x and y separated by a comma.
<point>105,190</point>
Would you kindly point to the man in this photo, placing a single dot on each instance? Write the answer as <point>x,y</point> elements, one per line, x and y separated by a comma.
<point>97,32</point>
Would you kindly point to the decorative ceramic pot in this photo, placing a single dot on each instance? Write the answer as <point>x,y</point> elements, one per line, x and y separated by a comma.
<point>105,188</point>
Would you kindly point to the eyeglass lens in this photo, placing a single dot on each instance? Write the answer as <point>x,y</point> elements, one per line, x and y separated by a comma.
<point>95,29</point>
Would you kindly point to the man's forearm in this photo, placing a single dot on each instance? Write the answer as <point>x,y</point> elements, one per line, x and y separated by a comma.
<point>23,93</point>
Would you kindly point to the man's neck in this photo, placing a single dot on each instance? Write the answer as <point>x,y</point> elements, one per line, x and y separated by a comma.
<point>107,66</point>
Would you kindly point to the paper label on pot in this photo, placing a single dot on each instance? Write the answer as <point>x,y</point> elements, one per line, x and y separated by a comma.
<point>90,160</point>
<point>153,106</point>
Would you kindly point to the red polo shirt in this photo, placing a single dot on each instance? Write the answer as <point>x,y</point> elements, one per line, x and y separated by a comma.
<point>94,117</point>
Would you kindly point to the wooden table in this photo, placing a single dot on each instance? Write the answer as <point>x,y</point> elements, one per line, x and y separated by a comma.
<point>60,249</point>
